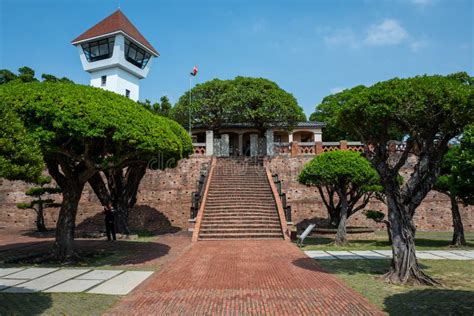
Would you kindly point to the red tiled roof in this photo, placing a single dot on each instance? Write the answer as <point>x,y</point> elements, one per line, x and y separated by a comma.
<point>117,21</point>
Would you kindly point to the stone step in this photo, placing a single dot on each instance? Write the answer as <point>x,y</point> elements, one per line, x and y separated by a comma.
<point>205,226</point>
<point>227,231</point>
<point>238,221</point>
<point>239,208</point>
<point>240,216</point>
<point>236,206</point>
<point>251,235</point>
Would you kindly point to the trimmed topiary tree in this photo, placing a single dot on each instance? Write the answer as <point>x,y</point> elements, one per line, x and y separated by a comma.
<point>429,111</point>
<point>83,130</point>
<point>346,181</point>
<point>257,101</point>
<point>39,203</point>
<point>457,180</point>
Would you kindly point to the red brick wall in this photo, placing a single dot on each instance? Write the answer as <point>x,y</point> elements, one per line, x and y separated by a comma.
<point>165,196</point>
<point>433,214</point>
<point>164,200</point>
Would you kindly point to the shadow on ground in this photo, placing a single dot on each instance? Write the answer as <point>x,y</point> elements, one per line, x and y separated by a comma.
<point>141,218</point>
<point>431,302</point>
<point>91,253</point>
<point>24,303</point>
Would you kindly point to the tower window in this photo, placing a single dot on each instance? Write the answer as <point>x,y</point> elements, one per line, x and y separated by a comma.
<point>136,55</point>
<point>103,80</point>
<point>98,50</point>
<point>127,93</point>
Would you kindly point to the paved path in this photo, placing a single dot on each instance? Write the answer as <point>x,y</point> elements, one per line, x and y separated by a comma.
<point>243,278</point>
<point>54,280</point>
<point>386,254</point>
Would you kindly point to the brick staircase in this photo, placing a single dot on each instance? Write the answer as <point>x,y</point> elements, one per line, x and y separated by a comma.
<point>240,203</point>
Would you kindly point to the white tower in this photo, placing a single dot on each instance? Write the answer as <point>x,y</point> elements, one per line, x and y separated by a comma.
<point>116,55</point>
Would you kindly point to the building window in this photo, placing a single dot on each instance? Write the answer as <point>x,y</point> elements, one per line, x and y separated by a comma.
<point>103,80</point>
<point>98,50</point>
<point>136,55</point>
<point>127,93</point>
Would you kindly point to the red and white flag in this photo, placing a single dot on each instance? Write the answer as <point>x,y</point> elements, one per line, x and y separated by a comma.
<point>194,72</point>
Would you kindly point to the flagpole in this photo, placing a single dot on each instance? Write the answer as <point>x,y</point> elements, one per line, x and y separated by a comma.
<point>190,102</point>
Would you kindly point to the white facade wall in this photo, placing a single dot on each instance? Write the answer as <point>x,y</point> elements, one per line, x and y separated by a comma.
<point>117,81</point>
<point>121,74</point>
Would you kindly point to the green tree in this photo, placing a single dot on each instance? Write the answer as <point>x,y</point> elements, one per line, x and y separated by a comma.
<point>165,106</point>
<point>457,180</point>
<point>251,100</point>
<point>39,203</point>
<point>346,181</point>
<point>119,186</point>
<point>327,112</point>
<point>84,130</point>
<point>429,111</point>
<point>20,153</point>
<point>26,74</point>
<point>6,76</point>
<point>52,78</point>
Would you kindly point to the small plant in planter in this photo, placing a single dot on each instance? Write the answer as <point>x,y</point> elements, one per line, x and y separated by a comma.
<point>378,217</point>
<point>39,203</point>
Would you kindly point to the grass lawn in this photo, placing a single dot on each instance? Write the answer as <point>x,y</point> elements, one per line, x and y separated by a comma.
<point>423,241</point>
<point>455,297</point>
<point>55,303</point>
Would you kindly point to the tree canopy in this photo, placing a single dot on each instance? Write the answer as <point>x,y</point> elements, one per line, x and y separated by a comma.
<point>241,100</point>
<point>457,180</point>
<point>82,130</point>
<point>20,153</point>
<point>349,176</point>
<point>327,112</point>
<point>428,111</point>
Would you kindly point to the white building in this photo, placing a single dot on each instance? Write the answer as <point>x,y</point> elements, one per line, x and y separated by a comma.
<point>116,55</point>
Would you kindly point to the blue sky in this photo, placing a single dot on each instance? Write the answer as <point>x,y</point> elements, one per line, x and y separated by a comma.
<point>309,48</point>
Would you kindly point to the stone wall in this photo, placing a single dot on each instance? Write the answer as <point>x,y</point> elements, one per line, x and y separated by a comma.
<point>433,214</point>
<point>164,201</point>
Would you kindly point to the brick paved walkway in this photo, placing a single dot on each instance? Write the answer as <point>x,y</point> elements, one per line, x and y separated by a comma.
<point>241,278</point>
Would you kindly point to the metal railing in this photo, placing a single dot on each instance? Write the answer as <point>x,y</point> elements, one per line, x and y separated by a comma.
<point>196,196</point>
<point>286,207</point>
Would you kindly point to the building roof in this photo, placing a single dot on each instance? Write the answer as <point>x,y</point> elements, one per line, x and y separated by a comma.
<point>308,124</point>
<point>115,22</point>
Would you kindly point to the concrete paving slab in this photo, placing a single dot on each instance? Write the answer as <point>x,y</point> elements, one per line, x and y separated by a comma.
<point>5,283</point>
<point>7,271</point>
<point>319,255</point>
<point>427,255</point>
<point>47,281</point>
<point>99,275</point>
<point>447,255</point>
<point>31,273</point>
<point>386,253</point>
<point>73,286</point>
<point>344,255</point>
<point>121,284</point>
<point>368,254</point>
<point>464,253</point>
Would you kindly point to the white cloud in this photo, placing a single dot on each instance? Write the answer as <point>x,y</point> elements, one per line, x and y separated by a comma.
<point>336,90</point>
<point>388,32</point>
<point>418,45</point>
<point>345,37</point>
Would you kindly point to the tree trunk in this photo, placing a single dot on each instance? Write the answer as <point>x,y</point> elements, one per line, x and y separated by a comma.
<point>404,268</point>
<point>64,244</point>
<point>40,226</point>
<point>341,238</point>
<point>458,235</point>
<point>389,231</point>
<point>334,217</point>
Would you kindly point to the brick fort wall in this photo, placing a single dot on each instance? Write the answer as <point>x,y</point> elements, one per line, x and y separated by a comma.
<point>164,199</point>
<point>434,213</point>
